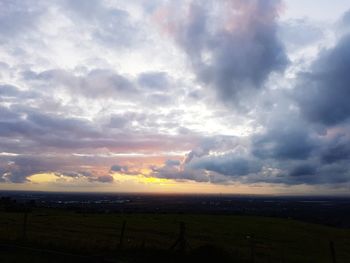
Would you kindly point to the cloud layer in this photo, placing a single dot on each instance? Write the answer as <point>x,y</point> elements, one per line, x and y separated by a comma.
<point>212,92</point>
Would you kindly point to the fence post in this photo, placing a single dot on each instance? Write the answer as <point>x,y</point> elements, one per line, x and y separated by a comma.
<point>181,242</point>
<point>331,246</point>
<point>252,250</point>
<point>24,226</point>
<point>121,238</point>
<point>282,252</point>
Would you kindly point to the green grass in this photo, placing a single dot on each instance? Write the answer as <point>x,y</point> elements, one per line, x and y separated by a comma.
<point>272,239</point>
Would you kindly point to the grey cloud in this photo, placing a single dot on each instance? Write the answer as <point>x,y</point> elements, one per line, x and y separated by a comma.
<point>90,175</point>
<point>216,143</point>
<point>345,20</point>
<point>32,124</point>
<point>303,170</point>
<point>17,169</point>
<point>336,150</point>
<point>228,164</point>
<point>284,140</point>
<point>175,173</point>
<point>102,179</point>
<point>323,92</point>
<point>119,168</point>
<point>16,16</point>
<point>148,88</point>
<point>172,162</point>
<point>297,33</point>
<point>154,80</point>
<point>118,121</point>
<point>8,92</point>
<point>95,84</point>
<point>232,60</point>
<point>38,131</point>
<point>110,26</point>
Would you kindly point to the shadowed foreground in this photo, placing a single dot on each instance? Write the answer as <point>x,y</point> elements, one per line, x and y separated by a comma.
<point>56,236</point>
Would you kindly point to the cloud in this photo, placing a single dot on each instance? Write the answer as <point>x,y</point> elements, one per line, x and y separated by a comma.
<point>233,46</point>
<point>172,163</point>
<point>119,168</point>
<point>323,90</point>
<point>344,23</point>
<point>209,144</point>
<point>102,179</point>
<point>303,170</point>
<point>230,164</point>
<point>79,97</point>
<point>18,169</point>
<point>154,80</point>
<point>175,172</point>
<point>336,150</point>
<point>110,26</point>
<point>284,140</point>
<point>91,176</point>
<point>17,16</point>
<point>95,83</point>
<point>301,32</point>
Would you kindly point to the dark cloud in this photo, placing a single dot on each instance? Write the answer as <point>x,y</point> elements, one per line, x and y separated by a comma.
<point>323,92</point>
<point>303,170</point>
<point>235,50</point>
<point>102,179</point>
<point>119,168</point>
<point>174,172</point>
<point>18,169</point>
<point>336,150</point>
<point>228,164</point>
<point>284,140</point>
<point>172,162</point>
<point>345,20</point>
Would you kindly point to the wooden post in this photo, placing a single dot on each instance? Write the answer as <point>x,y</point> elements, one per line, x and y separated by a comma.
<point>182,239</point>
<point>331,246</point>
<point>181,242</point>
<point>121,238</point>
<point>252,250</point>
<point>24,226</point>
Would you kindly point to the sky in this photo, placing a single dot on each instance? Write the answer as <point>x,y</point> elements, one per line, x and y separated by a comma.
<point>185,96</point>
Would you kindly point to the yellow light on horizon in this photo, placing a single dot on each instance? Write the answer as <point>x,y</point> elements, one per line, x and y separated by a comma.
<point>42,178</point>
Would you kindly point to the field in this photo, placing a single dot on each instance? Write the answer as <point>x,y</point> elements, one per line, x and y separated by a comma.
<point>55,234</point>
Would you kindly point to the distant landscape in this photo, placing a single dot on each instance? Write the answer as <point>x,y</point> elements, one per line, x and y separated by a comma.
<point>133,227</point>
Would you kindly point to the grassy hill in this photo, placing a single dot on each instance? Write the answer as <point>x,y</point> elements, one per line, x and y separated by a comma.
<point>236,238</point>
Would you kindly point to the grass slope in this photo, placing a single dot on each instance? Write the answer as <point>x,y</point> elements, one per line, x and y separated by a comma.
<point>244,238</point>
